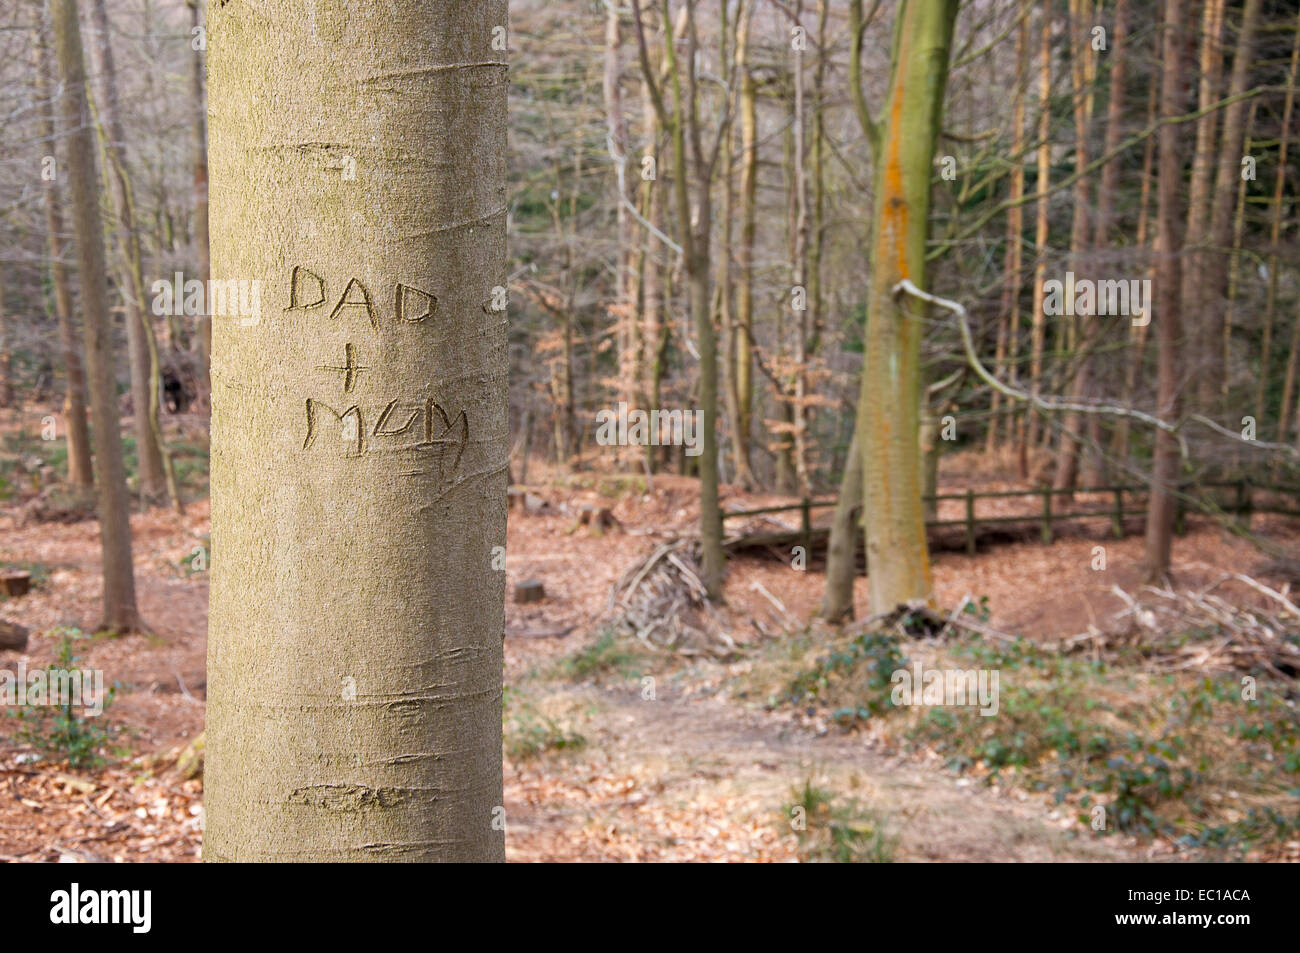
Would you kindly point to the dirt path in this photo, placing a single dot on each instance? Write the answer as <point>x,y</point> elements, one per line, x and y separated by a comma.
<point>695,778</point>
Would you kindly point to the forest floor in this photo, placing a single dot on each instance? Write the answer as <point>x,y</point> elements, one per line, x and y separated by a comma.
<point>613,752</point>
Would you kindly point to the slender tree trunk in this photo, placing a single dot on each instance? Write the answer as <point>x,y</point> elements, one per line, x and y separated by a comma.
<point>723,293</point>
<point>152,468</point>
<point>841,552</point>
<point>696,233</point>
<point>1165,458</point>
<point>199,131</point>
<point>652,297</point>
<point>1134,355</point>
<point>889,405</point>
<point>625,310</point>
<point>1214,286</point>
<point>1093,470</point>
<point>1275,234</point>
<point>1234,270</point>
<point>6,353</point>
<point>1210,67</point>
<point>120,614</point>
<point>743,358</point>
<point>799,185</point>
<point>80,474</point>
<point>1067,457</point>
<point>1029,433</point>
<point>360,442</point>
<point>1008,347</point>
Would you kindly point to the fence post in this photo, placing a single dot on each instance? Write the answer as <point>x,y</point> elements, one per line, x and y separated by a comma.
<point>970,522</point>
<point>1245,504</point>
<point>1119,512</point>
<point>1047,515</point>
<point>805,510</point>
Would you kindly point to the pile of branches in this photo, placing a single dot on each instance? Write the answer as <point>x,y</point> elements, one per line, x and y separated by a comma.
<point>662,600</point>
<point>917,620</point>
<point>1199,629</point>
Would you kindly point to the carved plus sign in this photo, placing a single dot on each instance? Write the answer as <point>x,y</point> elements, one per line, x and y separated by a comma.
<point>349,370</point>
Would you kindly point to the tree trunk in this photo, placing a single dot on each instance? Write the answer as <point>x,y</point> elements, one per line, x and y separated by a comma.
<point>6,353</point>
<point>1093,471</point>
<point>152,469</point>
<point>1275,234</point>
<point>626,318</point>
<point>1008,347</point>
<point>199,130</point>
<point>360,443</point>
<point>120,614</point>
<point>1029,430</point>
<point>841,551</point>
<point>695,240</point>
<point>1168,285</point>
<point>1214,281</point>
<point>1067,457</point>
<point>80,474</point>
<point>1210,67</point>
<point>1134,355</point>
<point>744,358</point>
<point>889,405</point>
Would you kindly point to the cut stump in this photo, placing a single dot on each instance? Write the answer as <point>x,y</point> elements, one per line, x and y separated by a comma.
<point>13,636</point>
<point>15,582</point>
<point>530,590</point>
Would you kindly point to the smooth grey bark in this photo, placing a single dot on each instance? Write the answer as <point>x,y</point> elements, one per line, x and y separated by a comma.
<point>359,432</point>
<point>80,474</point>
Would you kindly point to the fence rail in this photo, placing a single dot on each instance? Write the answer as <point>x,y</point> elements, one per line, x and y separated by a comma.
<point>1243,504</point>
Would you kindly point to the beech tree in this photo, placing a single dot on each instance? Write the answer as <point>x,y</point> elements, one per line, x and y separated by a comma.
<point>889,406</point>
<point>1168,294</point>
<point>359,446</point>
<point>120,613</point>
<point>155,471</point>
<point>678,109</point>
<point>80,474</point>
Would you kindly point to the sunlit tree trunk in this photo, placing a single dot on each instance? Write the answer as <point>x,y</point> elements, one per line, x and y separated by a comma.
<point>359,442</point>
<point>889,405</point>
<point>743,357</point>
<point>80,474</point>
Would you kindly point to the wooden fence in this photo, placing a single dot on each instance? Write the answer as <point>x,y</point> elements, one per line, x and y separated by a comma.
<point>1244,502</point>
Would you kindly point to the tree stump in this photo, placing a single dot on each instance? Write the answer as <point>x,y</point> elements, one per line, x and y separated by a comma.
<point>597,518</point>
<point>15,582</point>
<point>13,636</point>
<point>530,590</point>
